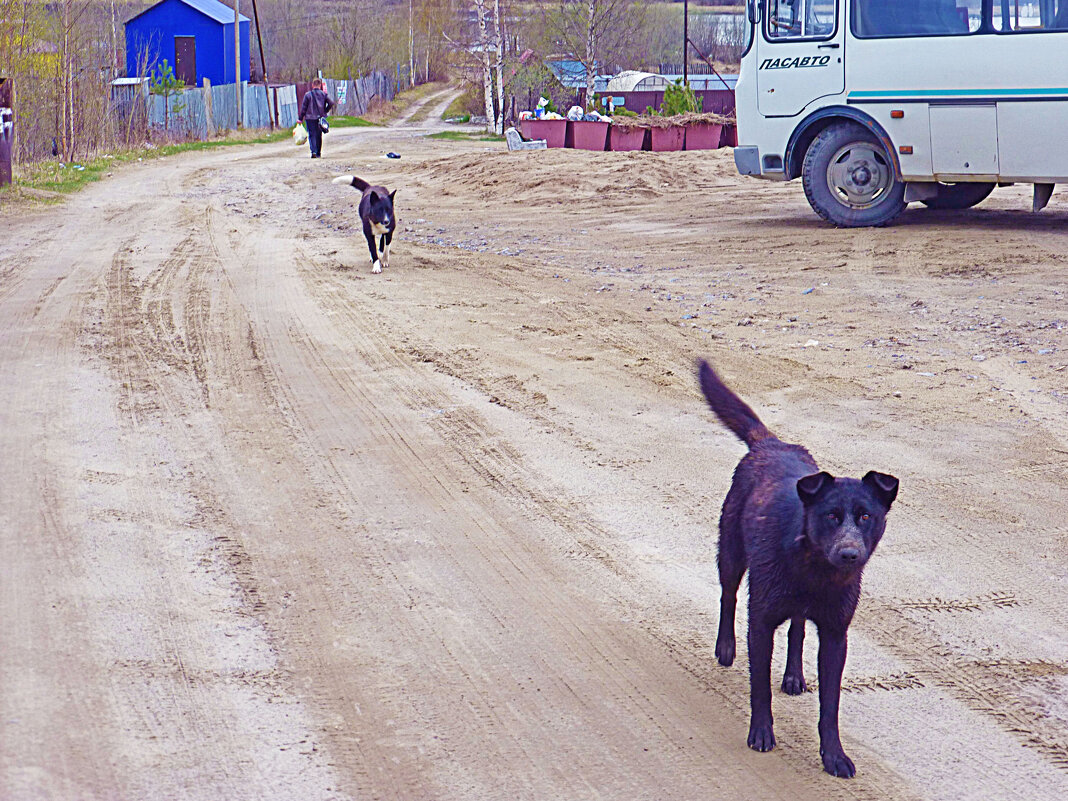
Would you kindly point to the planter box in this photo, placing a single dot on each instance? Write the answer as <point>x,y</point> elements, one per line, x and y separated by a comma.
<point>666,139</point>
<point>552,131</point>
<point>703,136</point>
<point>729,137</point>
<point>587,135</point>
<point>620,139</point>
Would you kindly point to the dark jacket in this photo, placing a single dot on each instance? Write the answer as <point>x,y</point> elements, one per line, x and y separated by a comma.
<point>315,105</point>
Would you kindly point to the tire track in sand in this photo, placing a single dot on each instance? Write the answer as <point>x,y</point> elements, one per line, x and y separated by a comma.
<point>374,375</point>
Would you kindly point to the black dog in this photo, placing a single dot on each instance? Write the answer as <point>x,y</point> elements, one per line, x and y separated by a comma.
<point>804,536</point>
<point>376,214</point>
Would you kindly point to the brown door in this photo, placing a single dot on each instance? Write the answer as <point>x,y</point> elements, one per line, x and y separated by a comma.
<point>185,59</point>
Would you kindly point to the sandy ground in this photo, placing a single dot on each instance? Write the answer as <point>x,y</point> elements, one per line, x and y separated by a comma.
<point>276,528</point>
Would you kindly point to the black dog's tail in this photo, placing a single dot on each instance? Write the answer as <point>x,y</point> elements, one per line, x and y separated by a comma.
<point>351,180</point>
<point>731,409</point>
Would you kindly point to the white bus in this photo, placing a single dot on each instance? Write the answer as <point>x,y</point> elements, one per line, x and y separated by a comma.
<point>876,103</point>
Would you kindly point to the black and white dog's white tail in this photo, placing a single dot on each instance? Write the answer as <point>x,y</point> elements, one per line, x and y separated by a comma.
<point>352,180</point>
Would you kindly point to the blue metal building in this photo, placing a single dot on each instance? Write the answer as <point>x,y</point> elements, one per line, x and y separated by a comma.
<point>196,37</point>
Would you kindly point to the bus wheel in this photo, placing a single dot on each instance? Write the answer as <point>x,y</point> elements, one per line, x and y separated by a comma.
<point>959,196</point>
<point>849,178</point>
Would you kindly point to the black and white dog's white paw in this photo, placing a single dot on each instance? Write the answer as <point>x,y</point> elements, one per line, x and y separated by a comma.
<point>376,267</point>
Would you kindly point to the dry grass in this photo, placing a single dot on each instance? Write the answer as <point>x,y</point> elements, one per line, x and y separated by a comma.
<point>655,121</point>
<point>384,111</point>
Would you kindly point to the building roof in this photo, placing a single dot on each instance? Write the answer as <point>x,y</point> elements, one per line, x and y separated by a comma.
<point>570,72</point>
<point>633,80</point>
<point>220,12</point>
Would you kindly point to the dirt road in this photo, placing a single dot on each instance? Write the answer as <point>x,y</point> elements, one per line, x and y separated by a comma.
<point>277,528</point>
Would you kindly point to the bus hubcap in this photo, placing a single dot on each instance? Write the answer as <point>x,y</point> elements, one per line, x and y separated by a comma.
<point>858,175</point>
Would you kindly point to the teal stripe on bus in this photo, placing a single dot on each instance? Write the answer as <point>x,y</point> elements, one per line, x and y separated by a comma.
<point>958,92</point>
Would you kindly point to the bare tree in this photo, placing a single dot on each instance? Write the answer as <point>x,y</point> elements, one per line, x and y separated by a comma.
<point>487,51</point>
<point>411,43</point>
<point>482,48</point>
<point>439,25</point>
<point>598,32</point>
<point>498,124</point>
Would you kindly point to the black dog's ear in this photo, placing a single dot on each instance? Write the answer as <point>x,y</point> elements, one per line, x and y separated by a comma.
<point>392,195</point>
<point>809,487</point>
<point>883,485</point>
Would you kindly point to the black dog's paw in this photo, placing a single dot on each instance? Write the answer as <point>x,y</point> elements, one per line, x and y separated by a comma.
<point>725,651</point>
<point>838,764</point>
<point>761,738</point>
<point>794,684</point>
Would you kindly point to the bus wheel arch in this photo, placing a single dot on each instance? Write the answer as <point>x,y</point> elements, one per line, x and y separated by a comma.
<point>814,124</point>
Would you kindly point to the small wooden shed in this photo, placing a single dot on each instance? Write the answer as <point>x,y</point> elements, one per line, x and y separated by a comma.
<point>196,37</point>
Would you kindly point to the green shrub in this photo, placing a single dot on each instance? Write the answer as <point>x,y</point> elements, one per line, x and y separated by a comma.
<point>680,99</point>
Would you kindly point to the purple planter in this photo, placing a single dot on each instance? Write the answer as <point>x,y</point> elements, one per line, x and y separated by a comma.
<point>666,139</point>
<point>552,131</point>
<point>620,139</point>
<point>703,136</point>
<point>587,135</point>
<point>729,137</point>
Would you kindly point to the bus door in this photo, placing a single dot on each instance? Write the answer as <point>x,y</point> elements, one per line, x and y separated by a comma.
<point>801,55</point>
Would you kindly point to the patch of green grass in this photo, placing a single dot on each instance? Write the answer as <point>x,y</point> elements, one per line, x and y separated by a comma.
<point>350,122</point>
<point>466,136</point>
<point>67,178</point>
<point>457,109</point>
<point>64,178</point>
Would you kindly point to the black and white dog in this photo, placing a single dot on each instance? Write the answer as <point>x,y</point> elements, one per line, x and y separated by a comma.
<point>376,214</point>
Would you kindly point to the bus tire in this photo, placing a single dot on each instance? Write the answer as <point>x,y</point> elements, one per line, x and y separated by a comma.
<point>959,196</point>
<point>849,178</point>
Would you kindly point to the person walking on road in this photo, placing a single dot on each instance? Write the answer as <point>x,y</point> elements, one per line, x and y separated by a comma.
<point>315,106</point>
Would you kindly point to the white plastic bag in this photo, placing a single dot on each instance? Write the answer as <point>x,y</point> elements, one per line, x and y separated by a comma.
<point>574,113</point>
<point>300,136</point>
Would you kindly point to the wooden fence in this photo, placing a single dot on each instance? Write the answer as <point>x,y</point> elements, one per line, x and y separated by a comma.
<point>201,112</point>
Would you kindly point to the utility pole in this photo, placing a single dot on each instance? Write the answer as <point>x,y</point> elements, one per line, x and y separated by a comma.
<point>685,40</point>
<point>263,64</point>
<point>237,59</point>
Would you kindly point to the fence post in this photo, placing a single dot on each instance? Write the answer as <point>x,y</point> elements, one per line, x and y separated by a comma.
<point>237,61</point>
<point>209,108</point>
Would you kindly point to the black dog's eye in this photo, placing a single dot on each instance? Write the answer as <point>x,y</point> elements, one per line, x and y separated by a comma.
<point>833,516</point>
<point>864,518</point>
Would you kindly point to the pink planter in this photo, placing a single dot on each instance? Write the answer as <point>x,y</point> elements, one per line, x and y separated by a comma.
<point>703,136</point>
<point>667,139</point>
<point>552,131</point>
<point>729,137</point>
<point>620,139</point>
<point>587,135</point>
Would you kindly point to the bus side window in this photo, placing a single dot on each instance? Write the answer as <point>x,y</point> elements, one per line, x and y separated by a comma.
<point>1044,15</point>
<point>878,18</point>
<point>800,19</point>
